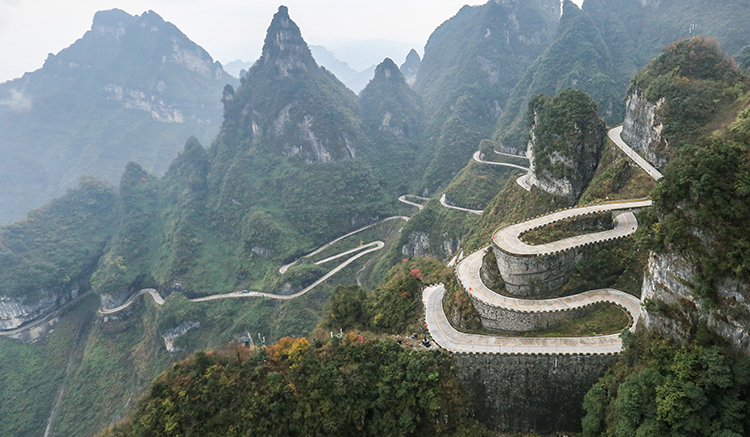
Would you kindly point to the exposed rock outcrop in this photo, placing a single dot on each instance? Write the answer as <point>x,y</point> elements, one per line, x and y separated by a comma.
<point>674,312</point>
<point>566,138</point>
<point>642,129</point>
<point>419,243</point>
<point>171,335</point>
<point>15,312</point>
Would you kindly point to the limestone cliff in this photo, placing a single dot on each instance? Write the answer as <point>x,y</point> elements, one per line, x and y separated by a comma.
<point>642,128</point>
<point>698,274</point>
<point>674,311</point>
<point>679,97</point>
<point>566,137</point>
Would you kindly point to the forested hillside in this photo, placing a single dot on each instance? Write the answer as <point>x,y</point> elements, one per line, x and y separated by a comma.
<point>598,48</point>
<point>693,356</point>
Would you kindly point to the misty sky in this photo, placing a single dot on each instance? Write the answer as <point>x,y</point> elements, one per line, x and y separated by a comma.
<point>227,29</point>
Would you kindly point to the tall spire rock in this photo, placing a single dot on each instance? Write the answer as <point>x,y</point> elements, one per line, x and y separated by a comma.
<point>289,106</point>
<point>392,112</point>
<point>284,46</point>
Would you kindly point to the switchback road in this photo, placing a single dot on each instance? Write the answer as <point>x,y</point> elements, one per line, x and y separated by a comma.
<point>507,239</point>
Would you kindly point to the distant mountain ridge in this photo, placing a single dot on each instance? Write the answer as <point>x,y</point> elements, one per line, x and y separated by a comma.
<point>132,88</point>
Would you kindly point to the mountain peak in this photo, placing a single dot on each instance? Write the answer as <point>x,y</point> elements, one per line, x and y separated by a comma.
<point>284,45</point>
<point>387,68</point>
<point>410,67</point>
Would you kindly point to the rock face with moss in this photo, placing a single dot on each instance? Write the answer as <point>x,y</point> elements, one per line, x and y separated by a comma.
<point>567,135</point>
<point>698,273</point>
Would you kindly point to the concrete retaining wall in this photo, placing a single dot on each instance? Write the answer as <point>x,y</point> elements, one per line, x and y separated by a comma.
<point>530,393</point>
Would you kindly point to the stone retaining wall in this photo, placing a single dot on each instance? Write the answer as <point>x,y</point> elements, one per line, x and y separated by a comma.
<point>536,276</point>
<point>530,393</point>
<point>505,320</point>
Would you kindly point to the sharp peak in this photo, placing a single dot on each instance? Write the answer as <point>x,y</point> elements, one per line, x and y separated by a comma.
<point>284,41</point>
<point>388,63</point>
<point>388,69</point>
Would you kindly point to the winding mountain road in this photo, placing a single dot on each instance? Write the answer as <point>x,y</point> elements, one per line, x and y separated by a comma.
<point>363,250</point>
<point>155,294</point>
<point>507,239</point>
<point>285,267</point>
<point>615,135</point>
<point>478,159</point>
<point>449,338</point>
<point>445,204</point>
<point>372,247</point>
<point>469,275</point>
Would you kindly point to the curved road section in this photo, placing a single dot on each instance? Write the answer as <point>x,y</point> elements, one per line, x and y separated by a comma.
<point>468,272</point>
<point>448,338</point>
<point>371,247</point>
<point>478,159</point>
<point>419,206</point>
<point>445,204</point>
<point>285,267</point>
<point>508,237</point>
<point>615,135</point>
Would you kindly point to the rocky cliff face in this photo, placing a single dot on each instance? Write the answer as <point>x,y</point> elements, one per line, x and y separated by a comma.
<point>15,312</point>
<point>674,312</point>
<point>642,128</point>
